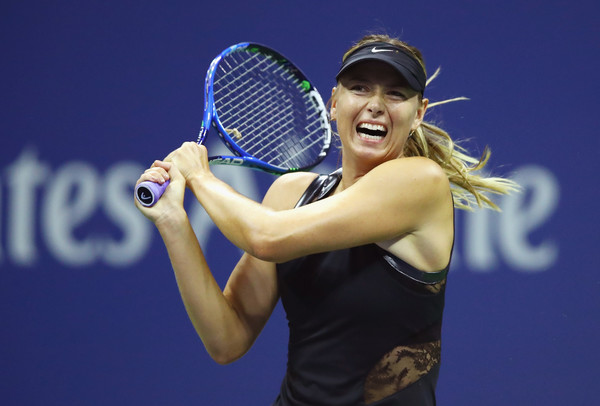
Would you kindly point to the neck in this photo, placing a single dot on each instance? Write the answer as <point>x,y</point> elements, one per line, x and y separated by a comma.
<point>352,171</point>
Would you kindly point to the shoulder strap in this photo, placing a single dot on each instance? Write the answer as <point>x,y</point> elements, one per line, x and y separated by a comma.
<point>320,187</point>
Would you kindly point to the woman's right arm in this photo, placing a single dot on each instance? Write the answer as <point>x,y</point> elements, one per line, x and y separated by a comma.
<point>229,321</point>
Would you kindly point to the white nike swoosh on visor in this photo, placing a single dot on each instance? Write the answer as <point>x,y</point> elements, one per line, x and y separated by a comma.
<point>375,50</point>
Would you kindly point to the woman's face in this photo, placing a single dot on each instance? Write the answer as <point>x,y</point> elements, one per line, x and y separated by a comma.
<point>375,111</point>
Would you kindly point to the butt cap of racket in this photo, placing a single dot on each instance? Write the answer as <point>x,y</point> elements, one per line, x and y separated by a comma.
<point>148,193</point>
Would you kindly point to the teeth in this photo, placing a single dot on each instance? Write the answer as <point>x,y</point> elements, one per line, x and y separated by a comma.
<point>371,137</point>
<point>371,131</point>
<point>372,127</point>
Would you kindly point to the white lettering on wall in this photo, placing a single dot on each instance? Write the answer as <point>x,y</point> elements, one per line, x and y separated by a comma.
<point>479,250</point>
<point>70,200</point>
<point>490,236</point>
<point>24,176</point>
<point>525,213</point>
<point>55,208</point>
<point>118,205</point>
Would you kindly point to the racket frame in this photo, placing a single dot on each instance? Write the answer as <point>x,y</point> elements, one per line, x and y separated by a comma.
<point>242,158</point>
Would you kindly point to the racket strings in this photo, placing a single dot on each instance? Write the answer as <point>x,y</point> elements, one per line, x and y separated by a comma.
<point>274,118</point>
<point>249,103</point>
<point>252,112</point>
<point>280,135</point>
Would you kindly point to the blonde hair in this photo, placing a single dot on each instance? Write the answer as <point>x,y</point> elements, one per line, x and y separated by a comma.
<point>469,185</point>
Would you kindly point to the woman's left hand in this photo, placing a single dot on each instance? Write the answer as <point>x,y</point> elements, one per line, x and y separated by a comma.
<point>191,159</point>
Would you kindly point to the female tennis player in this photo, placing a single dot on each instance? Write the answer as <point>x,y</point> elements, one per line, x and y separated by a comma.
<point>358,257</point>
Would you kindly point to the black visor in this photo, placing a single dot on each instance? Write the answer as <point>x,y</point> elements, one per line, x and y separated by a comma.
<point>401,60</point>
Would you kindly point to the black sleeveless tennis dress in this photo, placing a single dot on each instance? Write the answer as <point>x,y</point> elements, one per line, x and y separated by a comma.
<point>365,327</point>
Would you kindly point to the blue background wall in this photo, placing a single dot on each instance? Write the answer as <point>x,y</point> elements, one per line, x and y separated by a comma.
<point>93,91</point>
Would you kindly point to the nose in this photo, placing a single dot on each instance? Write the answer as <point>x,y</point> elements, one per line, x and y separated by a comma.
<point>375,105</point>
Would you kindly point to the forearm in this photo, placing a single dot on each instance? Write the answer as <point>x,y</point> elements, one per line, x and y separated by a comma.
<point>246,223</point>
<point>223,333</point>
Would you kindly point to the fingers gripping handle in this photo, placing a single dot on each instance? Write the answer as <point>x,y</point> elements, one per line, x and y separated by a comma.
<point>148,193</point>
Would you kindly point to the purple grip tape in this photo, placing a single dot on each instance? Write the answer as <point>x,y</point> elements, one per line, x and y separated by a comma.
<point>148,193</point>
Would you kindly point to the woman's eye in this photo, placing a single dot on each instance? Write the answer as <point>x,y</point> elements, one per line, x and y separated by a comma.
<point>359,88</point>
<point>397,94</point>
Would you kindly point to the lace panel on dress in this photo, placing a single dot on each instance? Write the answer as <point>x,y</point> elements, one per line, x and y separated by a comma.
<point>399,368</point>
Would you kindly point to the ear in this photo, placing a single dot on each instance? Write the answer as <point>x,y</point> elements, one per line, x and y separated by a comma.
<point>420,114</point>
<point>332,109</point>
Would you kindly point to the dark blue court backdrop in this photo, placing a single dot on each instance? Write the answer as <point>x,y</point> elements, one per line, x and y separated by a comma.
<point>92,91</point>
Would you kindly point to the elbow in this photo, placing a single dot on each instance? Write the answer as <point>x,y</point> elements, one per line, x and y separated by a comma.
<point>224,360</point>
<point>268,242</point>
<point>224,357</point>
<point>265,247</point>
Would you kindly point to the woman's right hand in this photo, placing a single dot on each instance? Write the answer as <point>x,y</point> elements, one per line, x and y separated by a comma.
<point>171,202</point>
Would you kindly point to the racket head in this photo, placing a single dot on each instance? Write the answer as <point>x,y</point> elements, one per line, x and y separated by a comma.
<point>265,110</point>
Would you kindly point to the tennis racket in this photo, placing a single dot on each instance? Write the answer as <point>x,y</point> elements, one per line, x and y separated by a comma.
<point>265,111</point>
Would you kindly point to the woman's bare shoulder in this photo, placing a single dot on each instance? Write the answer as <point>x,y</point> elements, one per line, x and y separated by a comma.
<point>418,165</point>
<point>287,189</point>
<point>417,174</point>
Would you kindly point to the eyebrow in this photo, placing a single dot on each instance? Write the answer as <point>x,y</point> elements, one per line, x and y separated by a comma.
<point>398,81</point>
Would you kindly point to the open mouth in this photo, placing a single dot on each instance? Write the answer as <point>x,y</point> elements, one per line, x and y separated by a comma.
<point>371,131</point>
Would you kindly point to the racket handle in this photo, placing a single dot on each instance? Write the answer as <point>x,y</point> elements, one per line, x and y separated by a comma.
<point>148,193</point>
